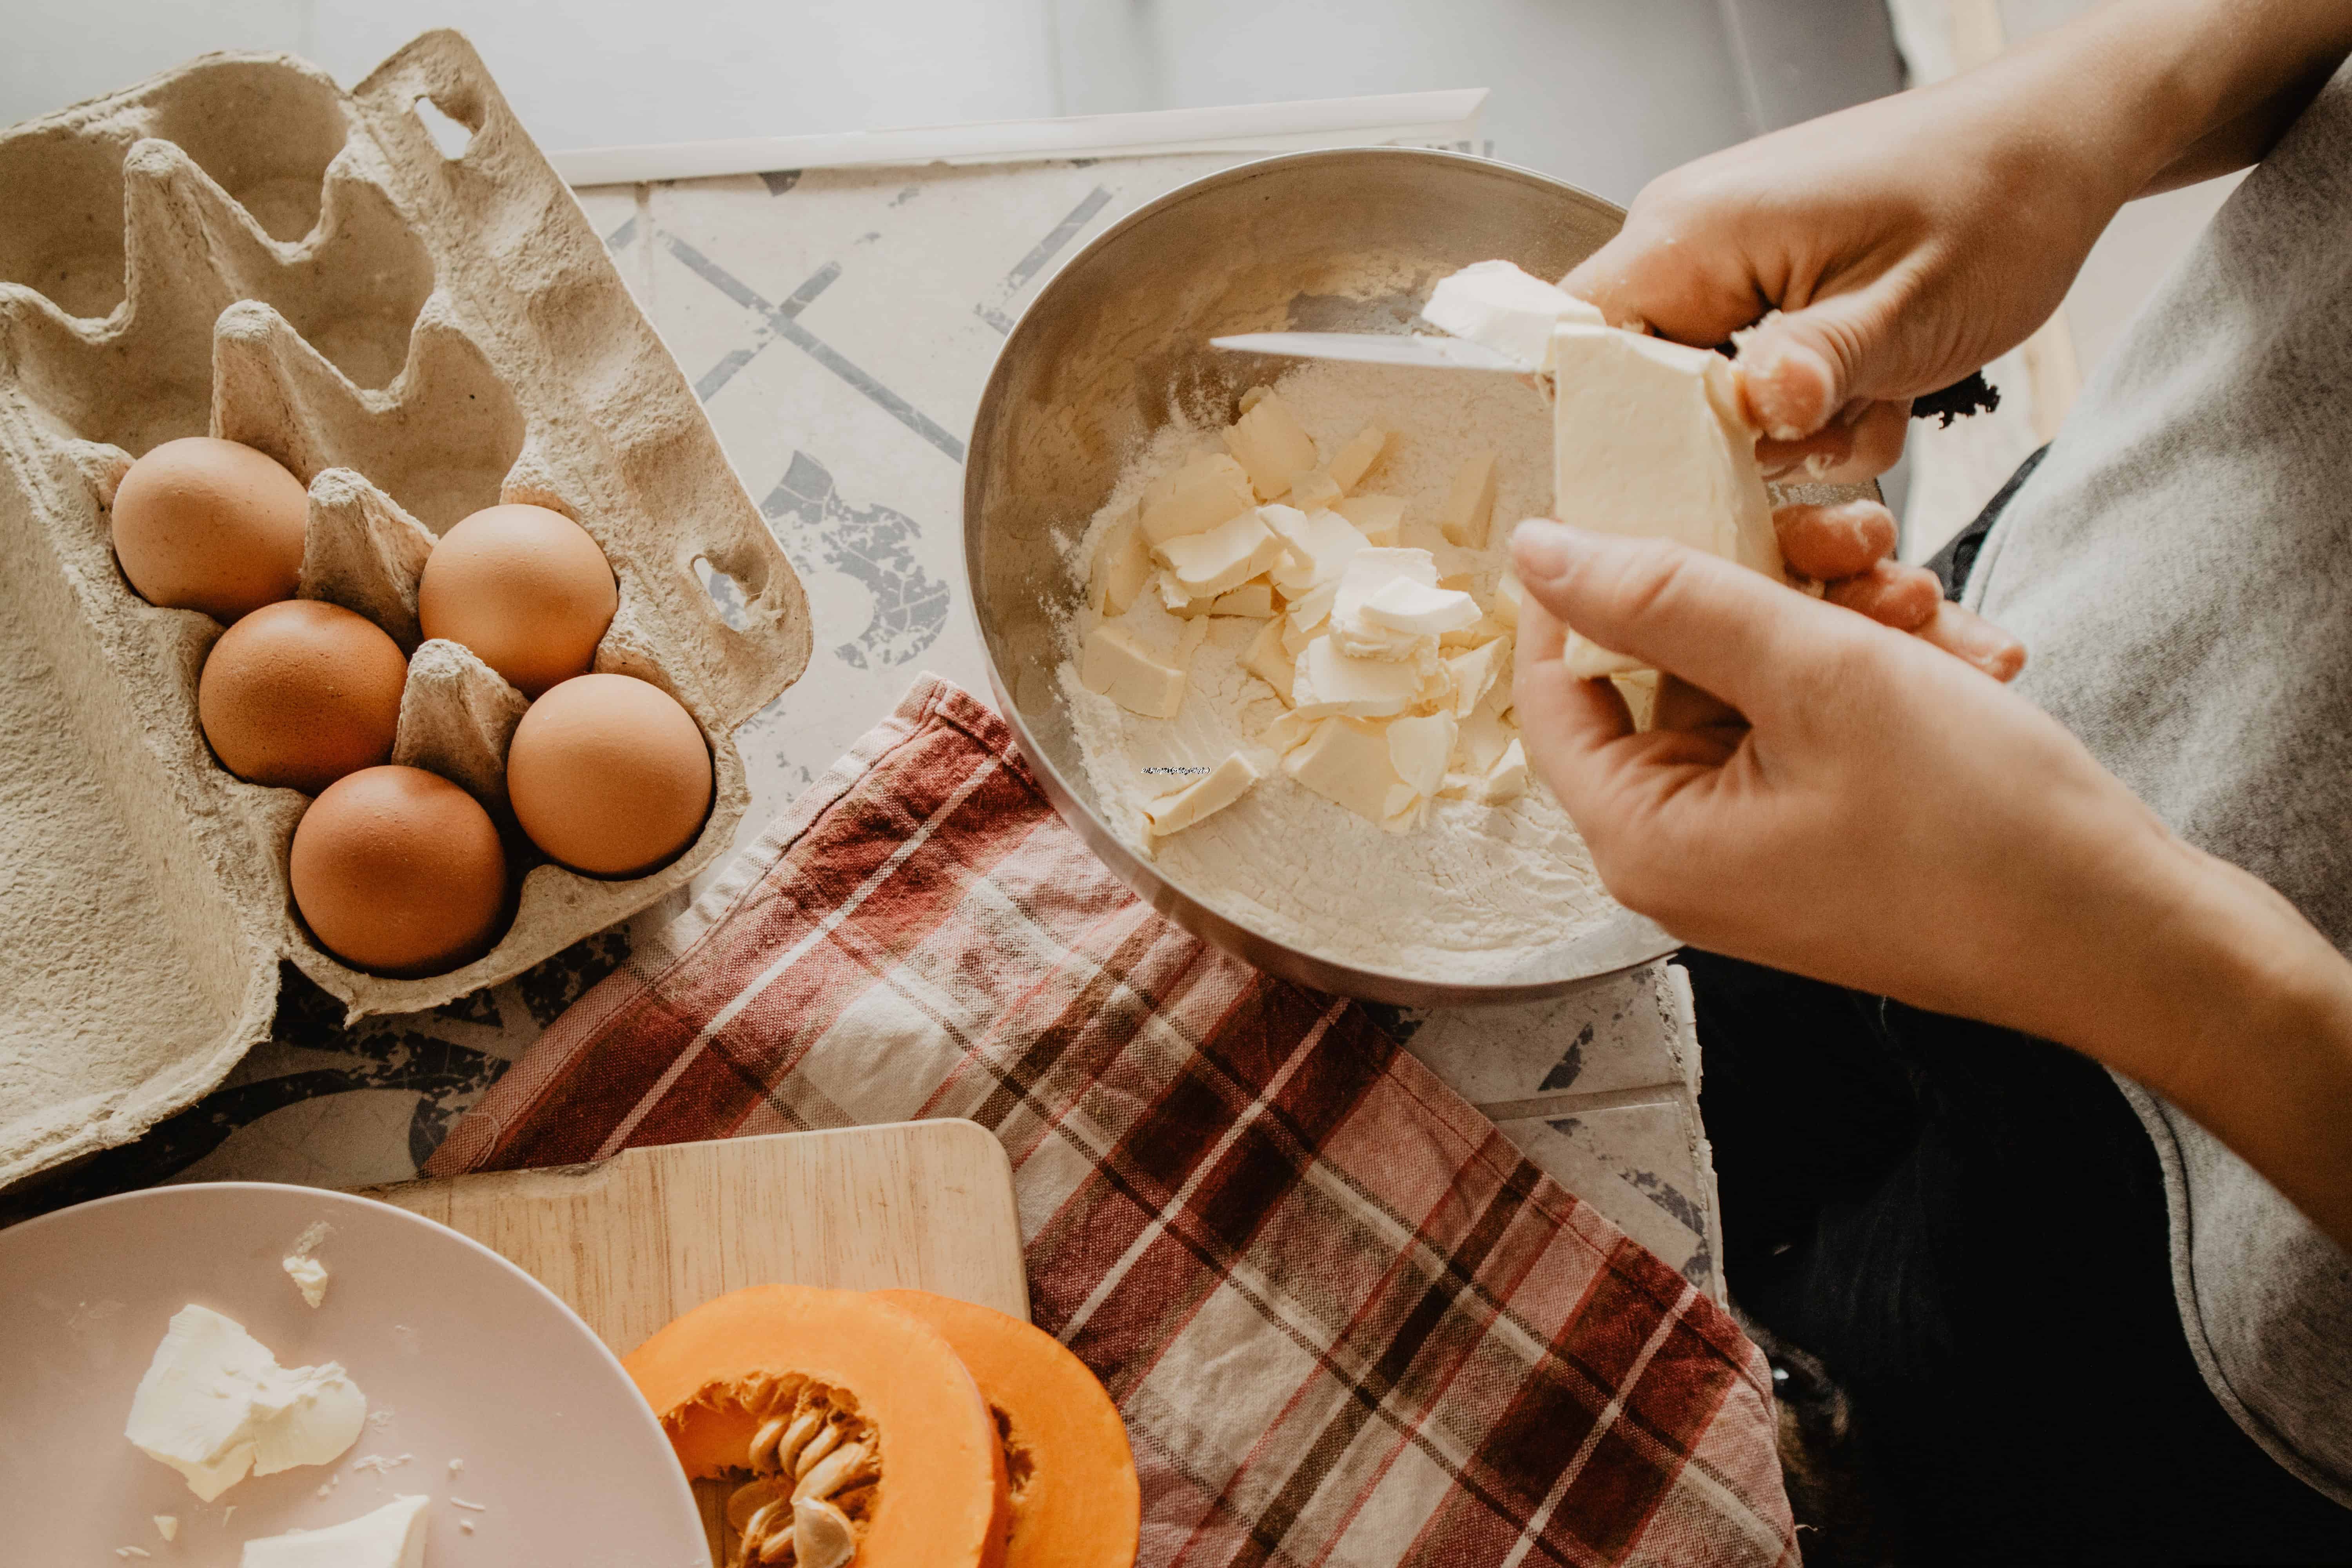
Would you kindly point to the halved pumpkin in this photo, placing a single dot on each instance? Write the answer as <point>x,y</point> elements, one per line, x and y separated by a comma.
<point>1075,1503</point>
<point>841,1427</point>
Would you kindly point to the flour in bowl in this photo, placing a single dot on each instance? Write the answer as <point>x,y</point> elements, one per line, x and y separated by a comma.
<point>1463,881</point>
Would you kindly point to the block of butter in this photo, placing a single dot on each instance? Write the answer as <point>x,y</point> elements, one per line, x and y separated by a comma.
<point>1648,438</point>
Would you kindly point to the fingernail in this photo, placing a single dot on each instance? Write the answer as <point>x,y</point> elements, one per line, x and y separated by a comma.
<point>1789,388</point>
<point>1542,548</point>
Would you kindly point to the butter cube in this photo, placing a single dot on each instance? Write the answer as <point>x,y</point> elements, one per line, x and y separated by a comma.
<point>1252,398</point>
<point>1401,605</point>
<point>1272,446</point>
<point>1648,438</point>
<point>1208,564</point>
<point>1496,305</point>
<point>1176,599</point>
<point>1480,741</point>
<point>1355,459</point>
<point>1469,508</point>
<point>1223,785</point>
<point>1347,761</point>
<point>1289,729</point>
<point>1588,660</point>
<point>1197,497</point>
<point>1485,629</point>
<point>1418,750</point>
<point>1377,518</point>
<point>1507,779</point>
<point>1369,573</point>
<point>1319,545</point>
<point>1113,664</point>
<point>1476,672</point>
<point>1255,600</point>
<point>1313,490</point>
<point>1121,564</point>
<point>1270,661</point>
<point>1509,594</point>
<point>1330,682</point>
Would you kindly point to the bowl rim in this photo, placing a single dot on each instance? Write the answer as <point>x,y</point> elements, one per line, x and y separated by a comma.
<point>1631,940</point>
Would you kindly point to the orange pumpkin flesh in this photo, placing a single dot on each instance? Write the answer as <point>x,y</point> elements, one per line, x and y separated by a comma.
<point>720,1373</point>
<point>1075,1503</point>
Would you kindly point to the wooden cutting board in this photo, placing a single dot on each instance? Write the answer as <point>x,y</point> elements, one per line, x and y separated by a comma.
<point>633,1241</point>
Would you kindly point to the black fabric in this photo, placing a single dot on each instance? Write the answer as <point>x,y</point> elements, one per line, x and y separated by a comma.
<point>1967,1227</point>
<point>1952,563</point>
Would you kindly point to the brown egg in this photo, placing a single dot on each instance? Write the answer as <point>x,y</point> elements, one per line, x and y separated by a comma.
<point>609,775</point>
<point>299,693</point>
<point>525,588</point>
<point>210,525</point>
<point>400,872</point>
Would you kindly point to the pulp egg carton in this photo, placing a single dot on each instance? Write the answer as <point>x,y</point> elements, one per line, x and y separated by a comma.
<point>389,291</point>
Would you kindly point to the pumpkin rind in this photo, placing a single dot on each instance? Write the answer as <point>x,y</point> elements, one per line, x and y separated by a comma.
<point>942,1501</point>
<point>1078,1506</point>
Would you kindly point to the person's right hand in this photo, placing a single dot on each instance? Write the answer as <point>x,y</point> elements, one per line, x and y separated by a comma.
<point>1888,250</point>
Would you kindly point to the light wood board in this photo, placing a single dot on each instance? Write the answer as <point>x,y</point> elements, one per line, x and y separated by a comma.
<point>633,1241</point>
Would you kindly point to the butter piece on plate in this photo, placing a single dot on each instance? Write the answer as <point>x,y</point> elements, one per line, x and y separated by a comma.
<point>391,1537</point>
<point>214,1404</point>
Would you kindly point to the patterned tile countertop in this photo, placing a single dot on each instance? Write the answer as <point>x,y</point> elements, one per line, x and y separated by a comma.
<point>838,326</point>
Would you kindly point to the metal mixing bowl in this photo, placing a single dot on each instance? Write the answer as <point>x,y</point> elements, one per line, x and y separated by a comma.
<point>1339,241</point>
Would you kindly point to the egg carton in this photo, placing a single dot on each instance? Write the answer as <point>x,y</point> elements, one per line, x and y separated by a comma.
<point>391,292</point>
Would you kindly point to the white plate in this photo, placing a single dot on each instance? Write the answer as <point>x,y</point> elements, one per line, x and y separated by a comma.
<point>461,1355</point>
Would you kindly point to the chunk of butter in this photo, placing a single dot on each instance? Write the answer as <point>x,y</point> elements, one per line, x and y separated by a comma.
<point>1272,446</point>
<point>1369,573</point>
<point>1377,518</point>
<point>1314,491</point>
<point>1401,605</point>
<point>1197,497</point>
<point>1418,750</point>
<point>1226,556</point>
<point>1270,661</point>
<point>1347,761</point>
<point>1319,545</point>
<point>391,1537</point>
<point>1468,511</point>
<point>1505,309</point>
<point>1354,460</point>
<point>1219,788</point>
<point>214,1404</point>
<point>167,1525</point>
<point>310,1276</point>
<point>1509,593</point>
<point>1255,600</point>
<point>1648,439</point>
<point>1330,682</point>
<point>1476,672</point>
<point>1120,568</point>
<point>1115,665</point>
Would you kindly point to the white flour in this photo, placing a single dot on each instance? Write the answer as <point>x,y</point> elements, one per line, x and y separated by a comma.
<point>1476,890</point>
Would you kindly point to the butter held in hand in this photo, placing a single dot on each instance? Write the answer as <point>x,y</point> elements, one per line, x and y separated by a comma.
<point>1648,439</point>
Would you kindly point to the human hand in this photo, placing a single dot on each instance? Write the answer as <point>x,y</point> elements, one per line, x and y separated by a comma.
<point>1901,245</point>
<point>1849,546</point>
<point>1824,796</point>
<point>1866,810</point>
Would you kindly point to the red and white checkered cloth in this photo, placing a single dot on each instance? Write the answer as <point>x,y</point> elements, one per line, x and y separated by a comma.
<point>1347,1322</point>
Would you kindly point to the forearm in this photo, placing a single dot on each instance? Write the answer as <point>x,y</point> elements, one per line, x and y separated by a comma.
<point>2153,94</point>
<point>2235,1009</point>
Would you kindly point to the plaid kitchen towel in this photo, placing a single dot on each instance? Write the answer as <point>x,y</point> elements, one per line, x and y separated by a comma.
<point>1346,1321</point>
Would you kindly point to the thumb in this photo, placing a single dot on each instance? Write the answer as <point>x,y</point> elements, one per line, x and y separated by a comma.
<point>1800,367</point>
<point>1720,626</point>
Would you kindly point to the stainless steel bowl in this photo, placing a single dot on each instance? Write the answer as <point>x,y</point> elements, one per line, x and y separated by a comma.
<point>1339,241</point>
